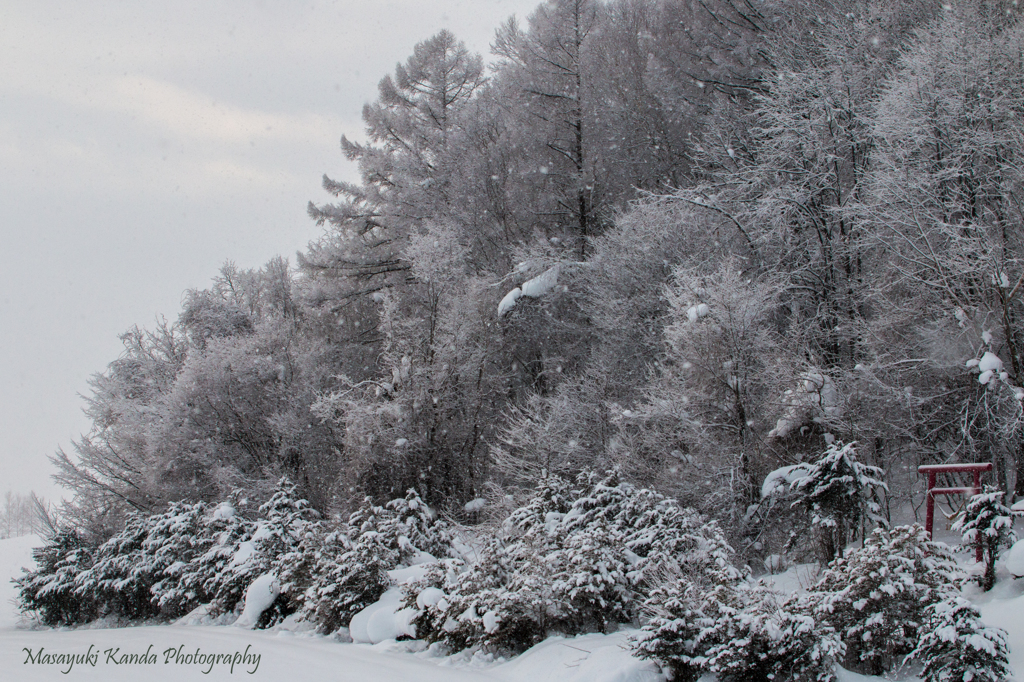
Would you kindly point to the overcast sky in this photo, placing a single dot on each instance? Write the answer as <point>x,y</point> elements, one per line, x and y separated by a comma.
<point>142,144</point>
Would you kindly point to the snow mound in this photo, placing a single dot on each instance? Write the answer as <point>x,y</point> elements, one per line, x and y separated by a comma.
<point>587,658</point>
<point>532,288</point>
<point>224,511</point>
<point>542,283</point>
<point>258,598</point>
<point>1014,559</point>
<point>383,620</point>
<point>696,312</point>
<point>509,302</point>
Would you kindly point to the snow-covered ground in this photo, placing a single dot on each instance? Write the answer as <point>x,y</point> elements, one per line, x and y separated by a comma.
<point>284,655</point>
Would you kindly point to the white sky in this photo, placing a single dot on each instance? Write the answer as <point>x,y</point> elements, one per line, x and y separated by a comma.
<point>142,144</point>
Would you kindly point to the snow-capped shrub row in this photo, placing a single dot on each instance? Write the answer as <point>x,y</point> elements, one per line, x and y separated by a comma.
<point>164,565</point>
<point>577,557</point>
<point>894,600</point>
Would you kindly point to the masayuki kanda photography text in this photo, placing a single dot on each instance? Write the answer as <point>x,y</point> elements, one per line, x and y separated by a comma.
<point>247,660</point>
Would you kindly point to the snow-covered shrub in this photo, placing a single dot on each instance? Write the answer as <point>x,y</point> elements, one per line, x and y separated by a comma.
<point>740,632</point>
<point>121,578</point>
<point>682,610</point>
<point>412,528</point>
<point>957,647</point>
<point>768,637</point>
<point>577,557</point>
<point>875,597</point>
<point>349,566</point>
<point>347,577</point>
<point>840,494</point>
<point>175,538</point>
<point>988,522</point>
<point>49,590</point>
<point>283,522</point>
<point>210,572</point>
<point>297,569</point>
<point>591,577</point>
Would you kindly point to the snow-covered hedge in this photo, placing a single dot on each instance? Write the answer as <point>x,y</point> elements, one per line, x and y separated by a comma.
<point>738,630</point>
<point>577,557</point>
<point>877,597</point>
<point>164,565</point>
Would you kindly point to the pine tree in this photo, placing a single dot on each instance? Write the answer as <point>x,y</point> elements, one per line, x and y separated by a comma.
<point>841,494</point>
<point>957,647</point>
<point>875,597</point>
<point>986,521</point>
<point>50,589</point>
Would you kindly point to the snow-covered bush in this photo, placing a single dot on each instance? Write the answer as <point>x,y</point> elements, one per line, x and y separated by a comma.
<point>347,577</point>
<point>175,538</point>
<point>875,597</point>
<point>121,578</point>
<point>348,567</point>
<point>840,494</point>
<point>49,590</point>
<point>577,557</point>
<point>209,572</point>
<point>957,647</point>
<point>769,637</point>
<point>739,632</point>
<point>681,612</point>
<point>283,522</point>
<point>412,528</point>
<point>986,521</point>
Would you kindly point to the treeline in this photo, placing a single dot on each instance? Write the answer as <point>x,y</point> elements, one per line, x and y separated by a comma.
<point>22,514</point>
<point>694,241</point>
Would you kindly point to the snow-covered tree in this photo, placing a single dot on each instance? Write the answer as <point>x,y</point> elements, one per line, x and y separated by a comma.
<point>957,647</point>
<point>769,638</point>
<point>120,579</point>
<point>841,495</point>
<point>347,577</point>
<point>577,557</point>
<point>944,188</point>
<point>175,538</point>
<point>987,522</point>
<point>739,632</point>
<point>876,596</point>
<point>49,590</point>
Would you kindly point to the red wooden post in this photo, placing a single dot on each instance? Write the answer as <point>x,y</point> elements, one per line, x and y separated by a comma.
<point>978,553</point>
<point>933,470</point>
<point>929,519</point>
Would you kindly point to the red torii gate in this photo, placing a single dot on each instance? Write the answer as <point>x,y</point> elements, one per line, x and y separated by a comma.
<point>933,470</point>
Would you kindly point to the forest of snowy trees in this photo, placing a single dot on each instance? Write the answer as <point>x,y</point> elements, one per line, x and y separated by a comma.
<point>668,290</point>
<point>690,242</point>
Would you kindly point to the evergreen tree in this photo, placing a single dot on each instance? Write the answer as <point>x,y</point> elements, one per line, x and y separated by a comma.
<point>49,590</point>
<point>957,647</point>
<point>841,494</point>
<point>987,522</point>
<point>876,597</point>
